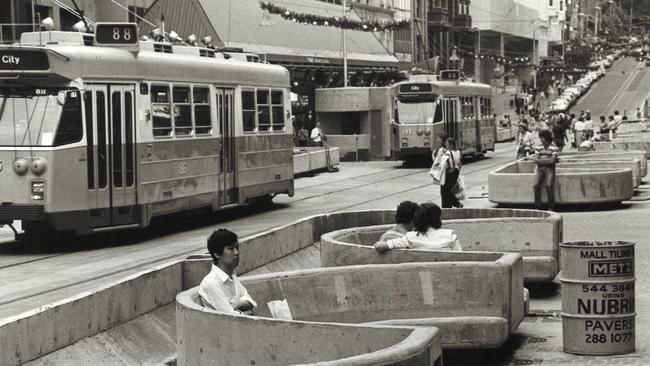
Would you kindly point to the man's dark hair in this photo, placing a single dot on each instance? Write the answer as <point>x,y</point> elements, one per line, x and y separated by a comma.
<point>218,240</point>
<point>405,212</point>
<point>451,142</point>
<point>427,215</point>
<point>615,112</point>
<point>545,134</point>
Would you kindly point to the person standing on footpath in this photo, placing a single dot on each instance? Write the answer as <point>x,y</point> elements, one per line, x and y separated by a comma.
<point>525,140</point>
<point>317,136</point>
<point>559,132</point>
<point>450,171</point>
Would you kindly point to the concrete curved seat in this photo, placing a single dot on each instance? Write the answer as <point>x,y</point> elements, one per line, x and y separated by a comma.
<point>625,143</point>
<point>610,155</point>
<point>513,184</point>
<point>208,337</point>
<point>633,164</point>
<point>483,238</point>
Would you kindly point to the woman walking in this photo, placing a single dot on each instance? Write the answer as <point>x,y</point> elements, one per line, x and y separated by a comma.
<point>450,171</point>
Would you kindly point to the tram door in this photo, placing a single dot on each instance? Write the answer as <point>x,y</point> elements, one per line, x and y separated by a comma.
<point>228,193</point>
<point>110,155</point>
<point>450,111</point>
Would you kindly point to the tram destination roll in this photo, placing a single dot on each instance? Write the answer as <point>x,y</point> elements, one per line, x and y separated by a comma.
<point>598,297</point>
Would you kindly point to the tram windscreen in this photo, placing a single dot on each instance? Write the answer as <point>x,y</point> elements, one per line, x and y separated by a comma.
<point>39,116</point>
<point>417,113</point>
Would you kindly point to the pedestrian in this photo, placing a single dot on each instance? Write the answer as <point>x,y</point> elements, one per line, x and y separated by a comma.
<point>603,126</point>
<point>303,136</point>
<point>450,168</point>
<point>559,133</point>
<point>525,140</point>
<point>427,233</point>
<point>579,131</point>
<point>221,290</point>
<point>317,136</point>
<point>545,158</point>
<point>589,127</point>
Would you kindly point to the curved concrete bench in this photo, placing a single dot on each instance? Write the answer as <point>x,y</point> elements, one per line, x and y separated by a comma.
<point>470,313</point>
<point>610,155</point>
<point>625,143</point>
<point>480,238</point>
<point>513,184</point>
<point>633,164</point>
<point>208,337</point>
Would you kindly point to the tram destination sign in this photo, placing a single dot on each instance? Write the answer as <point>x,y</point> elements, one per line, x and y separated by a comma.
<point>18,60</point>
<point>108,34</point>
<point>415,88</point>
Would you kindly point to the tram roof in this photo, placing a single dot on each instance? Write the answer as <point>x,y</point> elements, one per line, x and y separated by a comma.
<point>113,63</point>
<point>452,87</point>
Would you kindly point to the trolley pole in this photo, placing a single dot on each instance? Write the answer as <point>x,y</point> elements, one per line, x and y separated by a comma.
<point>345,48</point>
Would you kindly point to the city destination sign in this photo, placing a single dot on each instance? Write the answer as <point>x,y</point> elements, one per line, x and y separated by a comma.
<point>18,60</point>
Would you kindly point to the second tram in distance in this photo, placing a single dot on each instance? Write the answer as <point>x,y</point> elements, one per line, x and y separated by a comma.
<point>428,106</point>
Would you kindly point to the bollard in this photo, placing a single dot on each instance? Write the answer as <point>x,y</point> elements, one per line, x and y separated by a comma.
<point>597,297</point>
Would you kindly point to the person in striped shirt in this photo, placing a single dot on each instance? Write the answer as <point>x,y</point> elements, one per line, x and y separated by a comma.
<point>545,157</point>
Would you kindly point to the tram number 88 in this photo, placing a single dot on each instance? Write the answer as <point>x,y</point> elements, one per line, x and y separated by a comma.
<point>116,33</point>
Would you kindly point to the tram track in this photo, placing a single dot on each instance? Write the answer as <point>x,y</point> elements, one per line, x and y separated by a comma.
<point>166,257</point>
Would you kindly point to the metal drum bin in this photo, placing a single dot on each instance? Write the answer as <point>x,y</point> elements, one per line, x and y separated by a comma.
<point>597,297</point>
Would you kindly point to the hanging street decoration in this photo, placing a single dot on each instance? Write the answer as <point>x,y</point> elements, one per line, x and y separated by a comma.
<point>337,22</point>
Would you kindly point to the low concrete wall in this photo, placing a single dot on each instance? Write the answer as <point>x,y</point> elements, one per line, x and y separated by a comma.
<point>610,155</point>
<point>207,337</point>
<point>53,326</point>
<point>513,184</point>
<point>308,159</point>
<point>634,165</point>
<point>624,143</point>
<point>536,239</point>
<point>350,145</point>
<point>633,127</point>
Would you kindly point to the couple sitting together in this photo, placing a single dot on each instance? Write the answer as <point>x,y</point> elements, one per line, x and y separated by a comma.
<point>418,227</point>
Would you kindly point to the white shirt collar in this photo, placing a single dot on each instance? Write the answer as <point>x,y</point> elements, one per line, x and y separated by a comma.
<point>221,275</point>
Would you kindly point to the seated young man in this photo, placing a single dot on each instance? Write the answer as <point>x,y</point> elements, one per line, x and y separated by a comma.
<point>403,221</point>
<point>221,290</point>
<point>546,156</point>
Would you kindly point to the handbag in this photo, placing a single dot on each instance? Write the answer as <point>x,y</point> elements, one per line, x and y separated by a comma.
<point>459,189</point>
<point>452,172</point>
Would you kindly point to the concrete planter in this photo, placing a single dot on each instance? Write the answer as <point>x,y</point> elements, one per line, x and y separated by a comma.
<point>634,164</point>
<point>513,184</point>
<point>610,155</point>
<point>625,143</point>
<point>533,234</point>
<point>309,159</point>
<point>409,294</point>
<point>261,340</point>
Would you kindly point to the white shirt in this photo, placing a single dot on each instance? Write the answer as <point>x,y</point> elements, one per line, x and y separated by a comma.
<point>433,239</point>
<point>316,134</point>
<point>222,293</point>
<point>579,126</point>
<point>447,161</point>
<point>589,125</point>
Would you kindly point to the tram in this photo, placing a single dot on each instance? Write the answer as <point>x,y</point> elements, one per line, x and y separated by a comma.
<point>428,106</point>
<point>104,131</point>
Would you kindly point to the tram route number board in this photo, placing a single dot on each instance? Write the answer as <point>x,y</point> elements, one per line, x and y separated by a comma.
<point>116,33</point>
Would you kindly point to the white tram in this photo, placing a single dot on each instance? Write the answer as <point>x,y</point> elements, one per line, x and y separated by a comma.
<point>427,106</point>
<point>96,138</point>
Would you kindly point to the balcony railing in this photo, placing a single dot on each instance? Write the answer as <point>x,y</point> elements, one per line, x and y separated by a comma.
<point>438,17</point>
<point>462,22</point>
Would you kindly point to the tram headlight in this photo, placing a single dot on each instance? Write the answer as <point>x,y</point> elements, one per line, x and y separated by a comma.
<point>405,141</point>
<point>38,166</point>
<point>38,191</point>
<point>427,132</point>
<point>20,166</point>
<point>419,132</point>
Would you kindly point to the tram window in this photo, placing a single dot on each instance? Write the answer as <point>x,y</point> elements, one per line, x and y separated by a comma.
<point>277,109</point>
<point>182,111</point>
<point>116,122</point>
<point>90,148</point>
<point>70,124</point>
<point>263,110</point>
<point>202,115</point>
<point>102,157</point>
<point>128,136</point>
<point>248,110</point>
<point>437,116</point>
<point>161,111</point>
<point>467,107</point>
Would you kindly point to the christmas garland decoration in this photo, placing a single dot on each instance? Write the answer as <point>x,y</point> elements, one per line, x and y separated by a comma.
<point>343,23</point>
